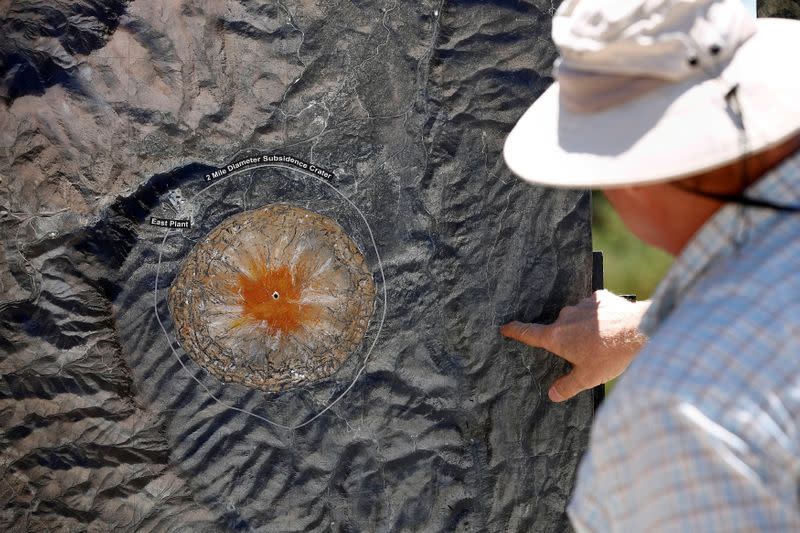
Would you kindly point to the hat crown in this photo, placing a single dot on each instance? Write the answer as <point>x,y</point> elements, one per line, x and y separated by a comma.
<point>664,39</point>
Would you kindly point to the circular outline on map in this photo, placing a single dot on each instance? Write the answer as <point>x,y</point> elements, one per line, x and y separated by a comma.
<point>381,319</point>
<point>273,298</point>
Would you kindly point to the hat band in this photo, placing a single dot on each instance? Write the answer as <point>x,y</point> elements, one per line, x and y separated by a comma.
<point>582,91</point>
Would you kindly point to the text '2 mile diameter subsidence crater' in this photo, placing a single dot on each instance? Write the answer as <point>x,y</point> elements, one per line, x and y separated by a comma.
<point>273,298</point>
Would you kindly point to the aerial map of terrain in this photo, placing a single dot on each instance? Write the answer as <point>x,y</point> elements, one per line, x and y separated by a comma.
<point>255,255</point>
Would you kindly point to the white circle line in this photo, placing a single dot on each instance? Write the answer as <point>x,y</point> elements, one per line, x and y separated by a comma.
<point>369,351</point>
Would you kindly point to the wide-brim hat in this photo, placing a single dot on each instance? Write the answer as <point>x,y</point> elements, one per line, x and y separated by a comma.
<point>650,91</point>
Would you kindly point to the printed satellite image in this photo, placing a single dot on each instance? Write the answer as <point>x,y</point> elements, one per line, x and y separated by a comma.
<point>255,255</point>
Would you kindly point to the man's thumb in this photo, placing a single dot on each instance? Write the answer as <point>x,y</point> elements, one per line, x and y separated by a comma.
<point>565,387</point>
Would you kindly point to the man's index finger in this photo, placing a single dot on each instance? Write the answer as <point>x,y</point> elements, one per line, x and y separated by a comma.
<point>536,335</point>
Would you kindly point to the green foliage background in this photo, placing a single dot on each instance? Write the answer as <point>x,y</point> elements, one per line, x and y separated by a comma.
<point>631,267</point>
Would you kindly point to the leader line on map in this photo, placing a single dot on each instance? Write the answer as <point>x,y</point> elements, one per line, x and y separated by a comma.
<point>267,160</point>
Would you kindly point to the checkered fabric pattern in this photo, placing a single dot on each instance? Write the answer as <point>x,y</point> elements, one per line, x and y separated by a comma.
<point>702,433</point>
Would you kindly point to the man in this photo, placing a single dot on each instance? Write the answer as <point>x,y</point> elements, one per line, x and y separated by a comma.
<point>687,114</point>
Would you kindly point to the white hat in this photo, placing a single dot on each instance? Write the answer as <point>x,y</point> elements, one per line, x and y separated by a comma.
<point>641,92</point>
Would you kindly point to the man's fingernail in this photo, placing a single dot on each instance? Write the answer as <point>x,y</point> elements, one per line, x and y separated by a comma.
<point>554,395</point>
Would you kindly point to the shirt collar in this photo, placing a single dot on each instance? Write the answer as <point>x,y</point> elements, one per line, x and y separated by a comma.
<point>728,229</point>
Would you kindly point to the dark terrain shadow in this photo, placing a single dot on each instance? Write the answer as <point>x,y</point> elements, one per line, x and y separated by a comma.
<point>41,39</point>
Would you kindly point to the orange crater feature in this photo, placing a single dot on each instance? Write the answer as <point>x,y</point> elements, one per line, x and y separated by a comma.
<point>272,298</point>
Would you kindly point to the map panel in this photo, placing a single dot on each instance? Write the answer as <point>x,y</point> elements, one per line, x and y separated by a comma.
<point>386,119</point>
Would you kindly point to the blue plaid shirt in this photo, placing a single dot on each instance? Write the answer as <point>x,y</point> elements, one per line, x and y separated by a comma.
<point>702,433</point>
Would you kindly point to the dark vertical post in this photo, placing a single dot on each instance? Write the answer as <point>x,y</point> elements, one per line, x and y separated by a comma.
<point>598,283</point>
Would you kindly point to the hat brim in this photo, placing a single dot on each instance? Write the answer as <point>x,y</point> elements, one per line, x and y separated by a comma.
<point>669,133</point>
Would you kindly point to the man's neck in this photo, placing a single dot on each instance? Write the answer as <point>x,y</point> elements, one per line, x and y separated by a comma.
<point>732,180</point>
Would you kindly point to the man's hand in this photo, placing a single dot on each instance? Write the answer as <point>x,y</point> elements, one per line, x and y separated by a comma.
<point>599,336</point>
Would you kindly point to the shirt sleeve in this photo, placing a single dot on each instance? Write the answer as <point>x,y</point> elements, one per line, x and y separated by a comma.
<point>668,466</point>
